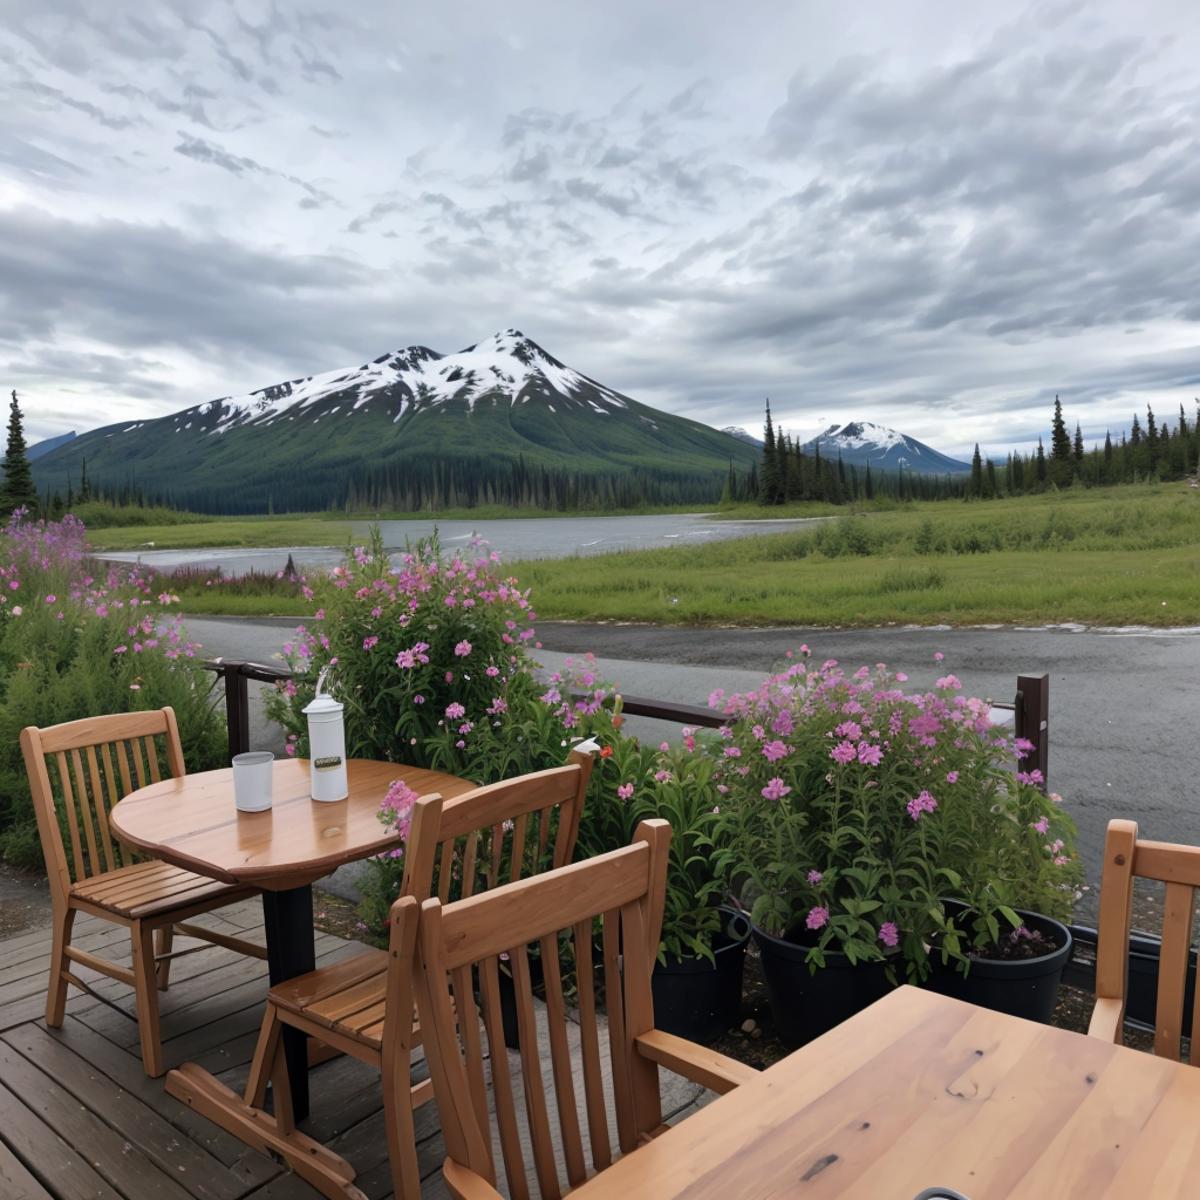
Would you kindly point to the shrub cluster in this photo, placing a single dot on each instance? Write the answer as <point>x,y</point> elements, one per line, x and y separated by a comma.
<point>79,638</point>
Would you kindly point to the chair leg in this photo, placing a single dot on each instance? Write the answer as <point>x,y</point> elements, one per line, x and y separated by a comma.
<point>146,988</point>
<point>164,939</point>
<point>401,1135</point>
<point>281,1093</point>
<point>56,992</point>
<point>263,1062</point>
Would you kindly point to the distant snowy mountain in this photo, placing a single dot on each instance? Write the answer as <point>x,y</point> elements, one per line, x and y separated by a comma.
<point>862,443</point>
<point>742,435</point>
<point>500,418</point>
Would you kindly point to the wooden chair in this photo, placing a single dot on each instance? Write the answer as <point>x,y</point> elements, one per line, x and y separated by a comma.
<point>363,1006</point>
<point>463,942</point>
<point>1126,856</point>
<point>96,762</point>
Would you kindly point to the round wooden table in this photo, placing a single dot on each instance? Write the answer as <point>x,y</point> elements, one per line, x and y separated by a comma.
<point>192,822</point>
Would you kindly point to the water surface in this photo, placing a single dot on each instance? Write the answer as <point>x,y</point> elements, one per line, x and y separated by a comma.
<point>515,538</point>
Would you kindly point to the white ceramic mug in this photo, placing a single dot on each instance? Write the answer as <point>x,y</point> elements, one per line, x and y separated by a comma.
<point>252,773</point>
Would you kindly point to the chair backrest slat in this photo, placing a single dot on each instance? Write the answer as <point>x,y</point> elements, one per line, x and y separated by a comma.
<point>152,759</point>
<point>112,853</point>
<point>1127,857</point>
<point>550,911</point>
<point>468,1025</point>
<point>1172,968</point>
<point>589,1046</point>
<point>502,1093</point>
<point>68,795</point>
<point>470,852</point>
<point>531,1077</point>
<point>87,819</point>
<point>77,771</point>
<point>560,1062</point>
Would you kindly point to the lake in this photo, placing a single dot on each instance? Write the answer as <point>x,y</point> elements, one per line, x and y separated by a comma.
<point>514,538</point>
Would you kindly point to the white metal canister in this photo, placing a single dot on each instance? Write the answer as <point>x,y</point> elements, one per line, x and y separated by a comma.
<point>326,747</point>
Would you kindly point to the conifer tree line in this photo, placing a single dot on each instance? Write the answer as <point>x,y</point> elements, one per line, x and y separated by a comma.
<point>1154,451</point>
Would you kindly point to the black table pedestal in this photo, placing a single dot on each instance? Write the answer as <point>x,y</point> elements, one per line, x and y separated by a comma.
<point>291,951</point>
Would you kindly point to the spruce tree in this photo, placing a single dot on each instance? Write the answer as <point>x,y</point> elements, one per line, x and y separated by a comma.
<point>771,487</point>
<point>977,473</point>
<point>18,490</point>
<point>1078,449</point>
<point>1060,440</point>
<point>1041,462</point>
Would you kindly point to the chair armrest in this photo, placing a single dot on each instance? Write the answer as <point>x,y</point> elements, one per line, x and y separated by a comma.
<point>1108,1017</point>
<point>464,1184</point>
<point>697,1063</point>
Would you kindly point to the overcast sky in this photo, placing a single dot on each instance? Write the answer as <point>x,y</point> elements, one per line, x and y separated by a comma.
<point>930,215</point>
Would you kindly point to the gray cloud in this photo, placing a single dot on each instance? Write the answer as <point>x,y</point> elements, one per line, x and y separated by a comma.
<point>936,220</point>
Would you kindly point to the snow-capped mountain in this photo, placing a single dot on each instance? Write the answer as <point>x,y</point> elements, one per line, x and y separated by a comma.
<point>862,443</point>
<point>405,425</point>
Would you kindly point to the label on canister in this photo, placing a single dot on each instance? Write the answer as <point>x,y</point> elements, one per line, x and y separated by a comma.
<point>328,763</point>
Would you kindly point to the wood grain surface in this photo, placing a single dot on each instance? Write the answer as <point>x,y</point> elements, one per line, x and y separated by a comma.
<point>192,822</point>
<point>919,1090</point>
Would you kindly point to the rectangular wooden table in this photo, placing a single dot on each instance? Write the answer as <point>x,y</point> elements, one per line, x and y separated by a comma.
<point>919,1090</point>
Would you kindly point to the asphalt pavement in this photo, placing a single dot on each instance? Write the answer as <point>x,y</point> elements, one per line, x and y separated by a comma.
<point>1124,706</point>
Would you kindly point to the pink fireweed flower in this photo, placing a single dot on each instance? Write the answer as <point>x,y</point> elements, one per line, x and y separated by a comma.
<point>783,723</point>
<point>418,699</point>
<point>1023,747</point>
<point>938,656</point>
<point>625,791</point>
<point>851,731</point>
<point>369,643</point>
<point>492,672</point>
<point>52,599</point>
<point>1041,825</point>
<point>869,755</point>
<point>889,935</point>
<point>844,752</point>
<point>776,789</point>
<point>462,649</point>
<point>455,710</point>
<point>951,682</point>
<point>1035,777</point>
<point>951,776</point>
<point>663,776</point>
<point>924,803</point>
<point>817,918</point>
<point>732,752</point>
<point>407,659</point>
<point>120,649</point>
<point>815,877</point>
<point>774,751</point>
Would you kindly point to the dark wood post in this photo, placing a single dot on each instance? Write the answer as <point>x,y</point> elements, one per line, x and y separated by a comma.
<point>1032,712</point>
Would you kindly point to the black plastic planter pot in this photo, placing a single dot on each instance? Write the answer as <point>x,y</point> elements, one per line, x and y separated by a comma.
<point>1022,988</point>
<point>508,999</point>
<point>697,999</point>
<point>805,1004</point>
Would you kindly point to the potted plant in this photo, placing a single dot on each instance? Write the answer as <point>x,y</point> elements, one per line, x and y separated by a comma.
<point>851,811</point>
<point>697,981</point>
<point>1009,948</point>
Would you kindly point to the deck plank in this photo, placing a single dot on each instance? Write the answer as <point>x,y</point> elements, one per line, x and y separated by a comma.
<point>16,1183</point>
<point>201,1174</point>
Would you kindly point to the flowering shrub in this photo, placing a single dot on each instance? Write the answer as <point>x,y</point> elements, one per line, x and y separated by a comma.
<point>851,808</point>
<point>633,782</point>
<point>79,638</point>
<point>431,657</point>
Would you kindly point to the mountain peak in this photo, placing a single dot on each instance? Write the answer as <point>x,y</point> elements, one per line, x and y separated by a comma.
<point>865,443</point>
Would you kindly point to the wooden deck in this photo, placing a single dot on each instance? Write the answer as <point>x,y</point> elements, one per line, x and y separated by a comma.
<point>80,1121</point>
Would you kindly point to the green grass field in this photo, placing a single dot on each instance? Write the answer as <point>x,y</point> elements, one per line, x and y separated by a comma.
<point>1128,556</point>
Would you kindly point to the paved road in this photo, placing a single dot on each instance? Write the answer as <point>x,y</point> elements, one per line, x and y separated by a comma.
<point>1124,707</point>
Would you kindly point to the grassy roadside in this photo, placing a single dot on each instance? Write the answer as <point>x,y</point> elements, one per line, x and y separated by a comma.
<point>1127,557</point>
